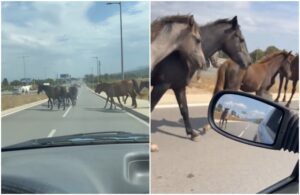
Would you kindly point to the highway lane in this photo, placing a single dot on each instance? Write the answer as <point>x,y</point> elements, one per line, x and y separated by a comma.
<point>242,129</point>
<point>87,116</point>
<point>214,164</point>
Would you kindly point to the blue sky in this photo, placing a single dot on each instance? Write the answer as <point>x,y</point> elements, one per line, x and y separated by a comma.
<point>262,23</point>
<point>253,108</point>
<point>62,37</point>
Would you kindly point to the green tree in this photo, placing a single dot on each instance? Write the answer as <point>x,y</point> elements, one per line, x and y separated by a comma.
<point>271,49</point>
<point>257,54</point>
<point>16,83</point>
<point>5,82</point>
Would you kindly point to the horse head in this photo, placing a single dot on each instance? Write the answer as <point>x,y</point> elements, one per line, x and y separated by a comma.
<point>40,88</point>
<point>180,33</point>
<point>99,88</point>
<point>235,45</point>
<point>286,65</point>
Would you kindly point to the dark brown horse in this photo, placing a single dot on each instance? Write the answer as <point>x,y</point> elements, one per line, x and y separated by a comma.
<point>54,93</point>
<point>72,95</point>
<point>294,77</point>
<point>175,72</point>
<point>257,77</point>
<point>224,118</point>
<point>119,89</point>
<point>143,84</point>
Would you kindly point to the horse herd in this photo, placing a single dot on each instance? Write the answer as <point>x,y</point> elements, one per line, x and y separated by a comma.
<point>60,94</point>
<point>122,89</point>
<point>180,49</point>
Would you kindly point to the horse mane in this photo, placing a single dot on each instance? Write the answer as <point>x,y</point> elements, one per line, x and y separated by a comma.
<point>270,56</point>
<point>159,23</point>
<point>219,21</point>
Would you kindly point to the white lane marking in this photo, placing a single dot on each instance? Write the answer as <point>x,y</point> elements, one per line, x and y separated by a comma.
<point>176,105</point>
<point>247,126</point>
<point>65,114</point>
<point>137,118</point>
<point>51,133</point>
<point>241,134</point>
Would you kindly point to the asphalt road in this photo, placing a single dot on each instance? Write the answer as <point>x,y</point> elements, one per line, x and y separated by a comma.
<point>242,129</point>
<point>87,116</point>
<point>214,164</point>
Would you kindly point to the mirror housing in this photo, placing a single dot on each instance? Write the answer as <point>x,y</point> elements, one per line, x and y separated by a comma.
<point>286,135</point>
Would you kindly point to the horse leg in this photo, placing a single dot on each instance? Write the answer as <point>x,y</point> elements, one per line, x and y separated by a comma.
<point>279,89</point>
<point>133,97</point>
<point>106,101</point>
<point>64,103</point>
<point>111,102</point>
<point>51,104</point>
<point>181,100</point>
<point>58,104</point>
<point>157,92</point>
<point>285,88</point>
<point>119,101</point>
<point>293,91</point>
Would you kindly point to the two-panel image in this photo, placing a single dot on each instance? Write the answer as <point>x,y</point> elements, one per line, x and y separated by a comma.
<point>149,97</point>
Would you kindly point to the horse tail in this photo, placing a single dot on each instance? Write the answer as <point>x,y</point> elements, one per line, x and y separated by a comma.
<point>220,83</point>
<point>136,86</point>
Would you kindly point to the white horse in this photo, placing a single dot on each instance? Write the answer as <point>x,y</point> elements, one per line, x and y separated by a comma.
<point>25,89</point>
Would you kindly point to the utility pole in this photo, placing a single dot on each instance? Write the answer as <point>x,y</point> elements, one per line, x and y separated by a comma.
<point>24,65</point>
<point>97,66</point>
<point>122,63</point>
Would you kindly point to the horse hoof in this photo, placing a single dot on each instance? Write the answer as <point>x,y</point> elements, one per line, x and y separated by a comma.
<point>195,137</point>
<point>276,100</point>
<point>154,148</point>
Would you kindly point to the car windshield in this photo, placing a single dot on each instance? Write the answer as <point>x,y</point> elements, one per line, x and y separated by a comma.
<point>60,63</point>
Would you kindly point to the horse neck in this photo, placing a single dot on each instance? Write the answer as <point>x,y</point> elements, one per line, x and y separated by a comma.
<point>212,36</point>
<point>165,43</point>
<point>274,64</point>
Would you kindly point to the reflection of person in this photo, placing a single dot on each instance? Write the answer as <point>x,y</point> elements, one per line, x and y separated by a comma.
<point>223,118</point>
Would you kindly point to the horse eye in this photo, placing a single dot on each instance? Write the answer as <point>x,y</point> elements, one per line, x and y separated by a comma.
<point>198,40</point>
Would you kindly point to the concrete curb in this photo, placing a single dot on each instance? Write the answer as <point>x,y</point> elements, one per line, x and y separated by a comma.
<point>20,108</point>
<point>131,111</point>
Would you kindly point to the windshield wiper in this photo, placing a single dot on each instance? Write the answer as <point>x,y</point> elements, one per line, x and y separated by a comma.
<point>113,137</point>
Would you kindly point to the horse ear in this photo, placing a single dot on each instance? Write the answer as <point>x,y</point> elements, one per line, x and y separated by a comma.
<point>234,22</point>
<point>191,20</point>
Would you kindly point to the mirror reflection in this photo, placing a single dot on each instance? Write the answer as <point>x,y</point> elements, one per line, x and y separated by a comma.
<point>247,118</point>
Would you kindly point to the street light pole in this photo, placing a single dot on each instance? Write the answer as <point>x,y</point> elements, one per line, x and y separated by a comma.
<point>24,64</point>
<point>97,66</point>
<point>121,31</point>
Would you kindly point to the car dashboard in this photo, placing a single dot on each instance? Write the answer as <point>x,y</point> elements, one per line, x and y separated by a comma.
<point>111,168</point>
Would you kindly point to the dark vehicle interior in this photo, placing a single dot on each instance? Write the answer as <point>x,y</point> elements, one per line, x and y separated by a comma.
<point>80,168</point>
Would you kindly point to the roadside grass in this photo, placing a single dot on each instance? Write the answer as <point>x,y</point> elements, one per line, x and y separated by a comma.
<point>11,101</point>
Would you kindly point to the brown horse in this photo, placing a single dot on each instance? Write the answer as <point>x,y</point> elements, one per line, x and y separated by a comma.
<point>294,77</point>
<point>257,77</point>
<point>176,33</point>
<point>119,89</point>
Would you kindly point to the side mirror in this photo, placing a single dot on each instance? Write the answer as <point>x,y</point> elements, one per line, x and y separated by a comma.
<point>253,120</point>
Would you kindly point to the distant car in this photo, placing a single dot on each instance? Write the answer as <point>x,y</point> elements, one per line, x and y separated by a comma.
<point>267,128</point>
